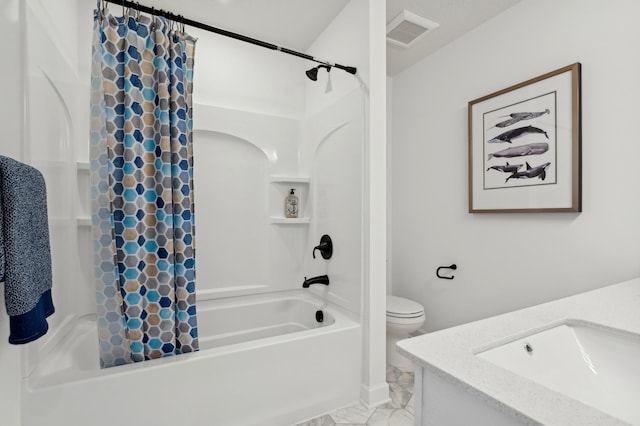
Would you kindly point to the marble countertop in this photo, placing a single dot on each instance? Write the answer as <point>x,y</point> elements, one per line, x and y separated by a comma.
<point>450,353</point>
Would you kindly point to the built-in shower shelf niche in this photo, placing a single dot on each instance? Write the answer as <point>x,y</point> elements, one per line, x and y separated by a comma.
<point>281,184</point>
<point>280,220</point>
<point>289,179</point>
<point>82,167</point>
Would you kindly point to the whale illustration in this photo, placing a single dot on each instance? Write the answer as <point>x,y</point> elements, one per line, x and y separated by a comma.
<point>519,116</point>
<point>539,171</point>
<point>521,151</point>
<point>517,133</point>
<point>508,168</point>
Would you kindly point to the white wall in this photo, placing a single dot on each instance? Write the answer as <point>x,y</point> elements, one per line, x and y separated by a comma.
<point>389,162</point>
<point>554,255</point>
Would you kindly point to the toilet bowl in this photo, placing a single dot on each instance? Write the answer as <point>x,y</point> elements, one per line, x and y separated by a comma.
<point>404,316</point>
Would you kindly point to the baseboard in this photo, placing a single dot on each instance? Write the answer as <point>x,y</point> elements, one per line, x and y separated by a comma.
<point>374,396</point>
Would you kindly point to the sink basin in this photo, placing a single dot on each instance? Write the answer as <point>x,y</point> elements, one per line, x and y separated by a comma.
<point>595,365</point>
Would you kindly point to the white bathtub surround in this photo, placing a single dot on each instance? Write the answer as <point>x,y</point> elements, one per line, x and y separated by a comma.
<point>398,412</point>
<point>302,364</point>
<point>456,385</point>
<point>256,122</point>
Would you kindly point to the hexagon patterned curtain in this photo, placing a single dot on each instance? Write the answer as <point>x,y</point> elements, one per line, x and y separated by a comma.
<point>142,188</point>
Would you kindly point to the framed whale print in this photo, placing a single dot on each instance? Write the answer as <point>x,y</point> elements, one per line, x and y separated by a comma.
<point>525,146</point>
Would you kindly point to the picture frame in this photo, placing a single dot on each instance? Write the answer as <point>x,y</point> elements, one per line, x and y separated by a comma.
<point>525,146</point>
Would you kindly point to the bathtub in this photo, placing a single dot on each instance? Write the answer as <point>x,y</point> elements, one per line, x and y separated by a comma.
<point>263,360</point>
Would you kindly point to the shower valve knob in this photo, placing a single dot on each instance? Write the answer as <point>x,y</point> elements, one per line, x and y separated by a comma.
<point>325,247</point>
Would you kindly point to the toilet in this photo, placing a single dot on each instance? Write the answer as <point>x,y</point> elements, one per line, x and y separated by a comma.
<point>404,316</point>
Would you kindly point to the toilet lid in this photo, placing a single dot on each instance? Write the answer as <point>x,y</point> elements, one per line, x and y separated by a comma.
<point>401,307</point>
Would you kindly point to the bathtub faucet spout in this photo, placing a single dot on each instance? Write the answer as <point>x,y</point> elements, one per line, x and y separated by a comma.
<point>320,279</point>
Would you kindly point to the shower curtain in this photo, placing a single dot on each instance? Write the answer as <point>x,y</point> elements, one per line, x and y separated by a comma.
<point>142,188</point>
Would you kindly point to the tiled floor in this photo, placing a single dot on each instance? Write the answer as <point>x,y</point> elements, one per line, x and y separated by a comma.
<point>398,412</point>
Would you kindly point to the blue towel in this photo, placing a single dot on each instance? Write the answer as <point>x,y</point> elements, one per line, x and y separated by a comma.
<point>1,240</point>
<point>26,253</point>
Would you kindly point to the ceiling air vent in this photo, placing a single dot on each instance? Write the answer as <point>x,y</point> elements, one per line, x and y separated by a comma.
<point>407,27</point>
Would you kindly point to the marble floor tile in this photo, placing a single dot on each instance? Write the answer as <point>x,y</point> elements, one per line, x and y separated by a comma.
<point>406,380</point>
<point>325,420</point>
<point>391,417</point>
<point>409,407</point>
<point>399,396</point>
<point>356,413</point>
<point>392,374</point>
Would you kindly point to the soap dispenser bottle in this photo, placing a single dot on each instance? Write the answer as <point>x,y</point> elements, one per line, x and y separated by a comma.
<point>291,205</point>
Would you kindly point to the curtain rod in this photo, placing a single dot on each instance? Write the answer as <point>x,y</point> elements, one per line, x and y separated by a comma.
<point>246,39</point>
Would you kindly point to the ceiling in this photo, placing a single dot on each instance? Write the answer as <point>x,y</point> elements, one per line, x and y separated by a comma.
<point>295,24</point>
<point>455,17</point>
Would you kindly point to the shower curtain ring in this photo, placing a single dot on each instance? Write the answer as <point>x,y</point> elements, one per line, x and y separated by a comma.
<point>153,18</point>
<point>101,5</point>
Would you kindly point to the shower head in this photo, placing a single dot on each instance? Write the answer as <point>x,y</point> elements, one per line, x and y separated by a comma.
<point>313,72</point>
